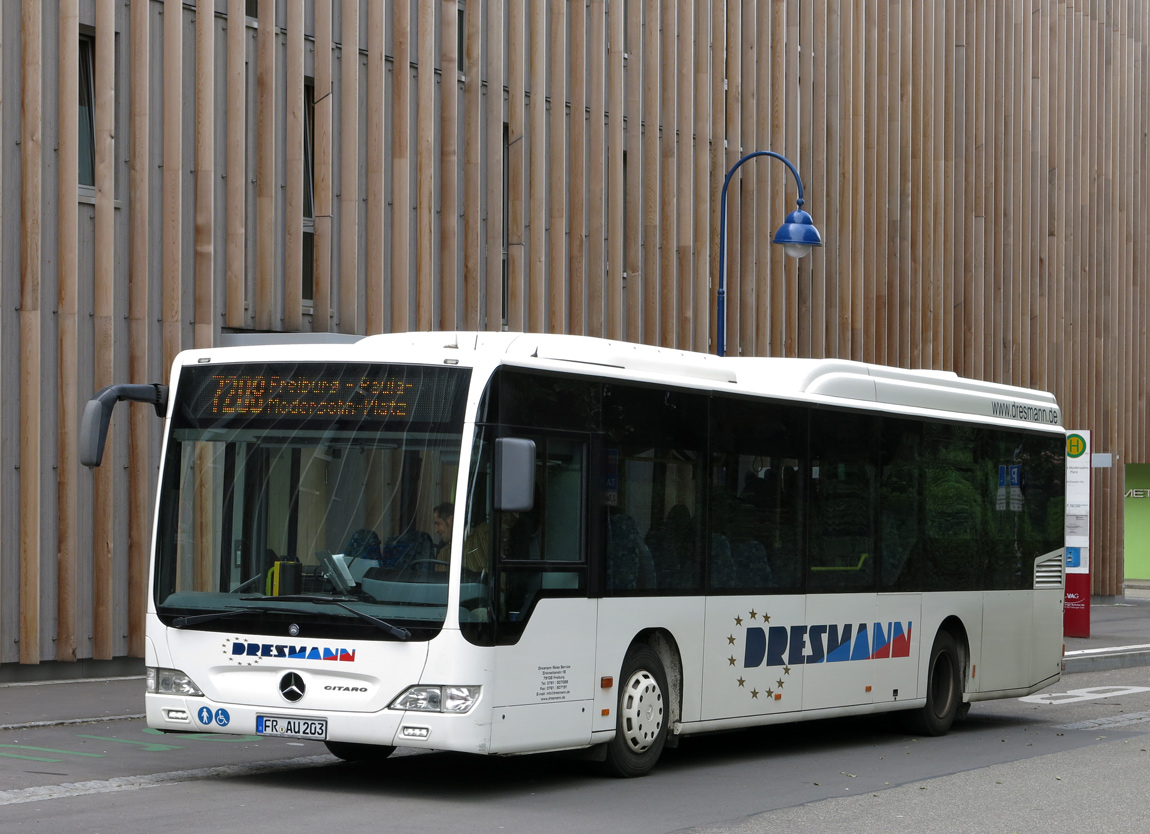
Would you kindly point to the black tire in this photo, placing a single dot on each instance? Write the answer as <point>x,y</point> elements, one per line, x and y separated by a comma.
<point>351,751</point>
<point>641,715</point>
<point>943,689</point>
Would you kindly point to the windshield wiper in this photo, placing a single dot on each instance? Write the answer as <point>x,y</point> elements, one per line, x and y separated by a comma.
<point>399,633</point>
<point>196,619</point>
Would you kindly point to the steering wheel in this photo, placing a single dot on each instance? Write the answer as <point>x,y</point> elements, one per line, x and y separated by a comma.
<point>415,562</point>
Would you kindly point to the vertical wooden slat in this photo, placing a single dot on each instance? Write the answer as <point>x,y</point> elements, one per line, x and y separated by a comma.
<point>791,151</point>
<point>577,148</point>
<point>859,324</point>
<point>30,348</point>
<point>516,173</point>
<point>537,210</point>
<point>632,205</point>
<point>866,217</point>
<point>832,210</point>
<point>139,320</point>
<point>913,332</point>
<point>879,205</point>
<point>349,194</point>
<point>495,150</point>
<point>776,197</point>
<point>846,244</point>
<point>472,102</point>
<point>817,171</point>
<point>322,164</point>
<point>894,183</point>
<point>667,185</point>
<point>557,167</point>
<point>802,300</point>
<point>375,251</point>
<point>293,168</point>
<point>400,238</point>
<point>173,167</point>
<point>236,162</point>
<point>740,246</point>
<point>617,232</point>
<point>684,179</point>
<point>105,641</point>
<point>652,202</point>
<point>906,338</point>
<point>425,159</point>
<point>449,165</point>
<point>67,303</point>
<point>204,240</point>
<point>722,53</point>
<point>701,318</point>
<point>764,202</point>
<point>928,336</point>
<point>265,165</point>
<point>596,175</point>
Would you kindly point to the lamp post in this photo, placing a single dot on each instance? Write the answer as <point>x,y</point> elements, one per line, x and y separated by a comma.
<point>797,235</point>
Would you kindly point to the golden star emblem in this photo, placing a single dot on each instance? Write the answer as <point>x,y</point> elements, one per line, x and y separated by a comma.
<point>754,693</point>
<point>770,692</point>
<point>766,618</point>
<point>786,670</point>
<point>738,621</point>
<point>741,681</point>
<point>780,683</point>
<point>731,660</point>
<point>731,639</point>
<point>753,615</point>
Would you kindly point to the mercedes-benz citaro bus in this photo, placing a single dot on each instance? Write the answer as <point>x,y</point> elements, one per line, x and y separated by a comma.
<point>503,543</point>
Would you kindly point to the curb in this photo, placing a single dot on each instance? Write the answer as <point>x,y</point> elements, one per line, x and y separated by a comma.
<point>1100,660</point>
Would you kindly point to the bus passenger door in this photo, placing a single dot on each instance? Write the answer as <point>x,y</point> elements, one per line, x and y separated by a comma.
<point>545,624</point>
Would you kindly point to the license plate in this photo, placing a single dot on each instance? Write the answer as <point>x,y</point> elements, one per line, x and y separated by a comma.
<point>277,725</point>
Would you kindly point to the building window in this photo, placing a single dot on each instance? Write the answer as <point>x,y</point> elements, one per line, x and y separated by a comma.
<point>87,138</point>
<point>308,191</point>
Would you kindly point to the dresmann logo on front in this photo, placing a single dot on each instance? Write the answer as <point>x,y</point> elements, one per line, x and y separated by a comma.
<point>249,653</point>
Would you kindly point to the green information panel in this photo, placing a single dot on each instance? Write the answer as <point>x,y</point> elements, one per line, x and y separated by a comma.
<point>1137,515</point>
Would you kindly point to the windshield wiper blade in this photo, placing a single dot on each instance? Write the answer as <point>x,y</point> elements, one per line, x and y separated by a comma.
<point>382,625</point>
<point>196,619</point>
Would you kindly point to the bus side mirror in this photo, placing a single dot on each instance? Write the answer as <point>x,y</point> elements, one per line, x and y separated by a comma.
<point>98,413</point>
<point>514,474</point>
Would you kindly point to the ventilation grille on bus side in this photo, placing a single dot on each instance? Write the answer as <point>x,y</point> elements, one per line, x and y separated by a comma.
<point>1048,570</point>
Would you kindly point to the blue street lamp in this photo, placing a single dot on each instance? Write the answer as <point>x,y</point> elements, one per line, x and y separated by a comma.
<point>798,236</point>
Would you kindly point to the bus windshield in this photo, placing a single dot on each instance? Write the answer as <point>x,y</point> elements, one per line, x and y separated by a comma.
<point>308,493</point>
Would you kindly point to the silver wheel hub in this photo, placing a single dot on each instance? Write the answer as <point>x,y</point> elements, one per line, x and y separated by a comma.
<point>641,714</point>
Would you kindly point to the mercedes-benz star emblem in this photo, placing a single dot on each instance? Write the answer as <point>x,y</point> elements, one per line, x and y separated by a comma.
<point>292,687</point>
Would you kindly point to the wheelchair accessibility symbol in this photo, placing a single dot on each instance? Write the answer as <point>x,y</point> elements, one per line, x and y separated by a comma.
<point>220,716</point>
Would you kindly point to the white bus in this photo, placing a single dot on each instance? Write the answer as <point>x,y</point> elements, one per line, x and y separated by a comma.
<point>504,543</point>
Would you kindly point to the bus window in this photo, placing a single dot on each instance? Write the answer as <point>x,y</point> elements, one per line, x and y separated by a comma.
<point>655,439</point>
<point>900,506</point>
<point>755,501</point>
<point>843,475</point>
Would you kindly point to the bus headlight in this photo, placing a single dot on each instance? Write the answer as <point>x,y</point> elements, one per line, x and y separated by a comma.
<point>171,682</point>
<point>454,699</point>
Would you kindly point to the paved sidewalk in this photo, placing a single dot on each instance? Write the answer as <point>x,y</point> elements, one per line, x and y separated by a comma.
<point>76,701</point>
<point>1119,634</point>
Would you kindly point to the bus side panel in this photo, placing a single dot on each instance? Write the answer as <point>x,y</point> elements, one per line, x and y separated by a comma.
<point>1046,660</point>
<point>936,608</point>
<point>621,619</point>
<point>1007,643</point>
<point>545,683</point>
<point>752,658</point>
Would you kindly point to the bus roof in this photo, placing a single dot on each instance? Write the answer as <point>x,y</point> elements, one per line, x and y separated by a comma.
<point>826,380</point>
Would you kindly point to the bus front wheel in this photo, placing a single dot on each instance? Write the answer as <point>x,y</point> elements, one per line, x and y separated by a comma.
<point>351,751</point>
<point>943,689</point>
<point>641,715</point>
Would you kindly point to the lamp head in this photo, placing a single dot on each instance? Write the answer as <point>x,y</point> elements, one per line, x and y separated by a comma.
<point>798,234</point>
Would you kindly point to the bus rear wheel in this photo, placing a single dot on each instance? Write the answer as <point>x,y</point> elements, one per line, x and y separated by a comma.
<point>641,715</point>
<point>351,751</point>
<point>943,689</point>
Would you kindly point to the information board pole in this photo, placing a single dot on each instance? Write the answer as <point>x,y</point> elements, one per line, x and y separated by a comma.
<point>1076,607</point>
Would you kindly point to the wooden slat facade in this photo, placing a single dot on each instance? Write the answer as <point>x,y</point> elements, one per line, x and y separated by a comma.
<point>979,170</point>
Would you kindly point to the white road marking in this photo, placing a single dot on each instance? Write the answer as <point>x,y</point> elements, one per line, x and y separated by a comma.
<point>155,780</point>
<point>1076,695</point>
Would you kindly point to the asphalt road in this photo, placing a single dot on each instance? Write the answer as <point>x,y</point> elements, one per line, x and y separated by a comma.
<point>1072,762</point>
